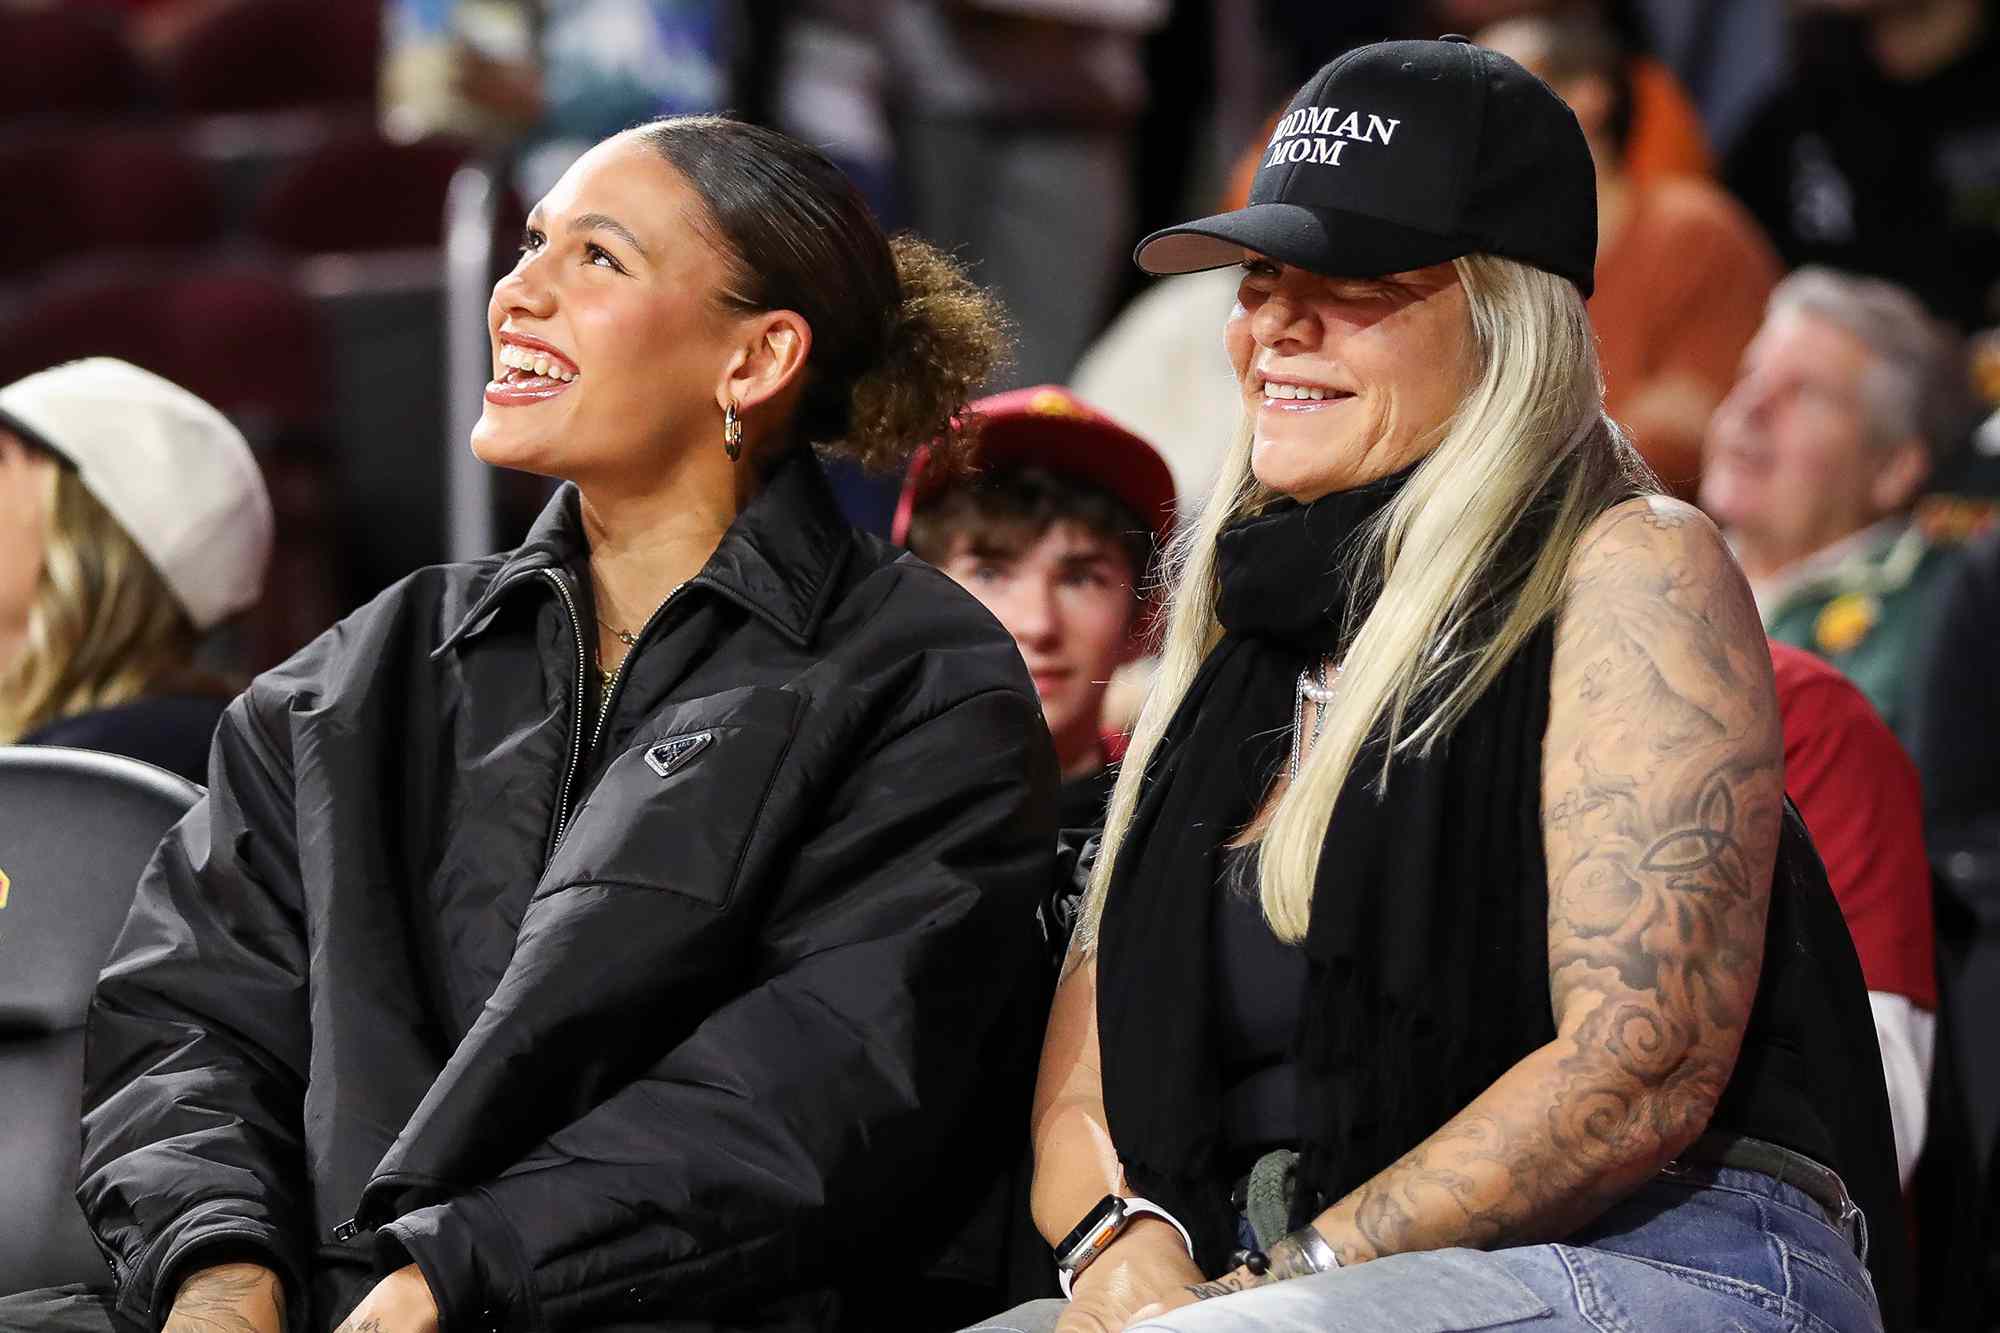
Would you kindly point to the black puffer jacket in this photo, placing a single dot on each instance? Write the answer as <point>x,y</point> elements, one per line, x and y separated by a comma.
<point>667,1029</point>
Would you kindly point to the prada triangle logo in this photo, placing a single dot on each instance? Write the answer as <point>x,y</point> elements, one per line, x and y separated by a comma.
<point>673,754</point>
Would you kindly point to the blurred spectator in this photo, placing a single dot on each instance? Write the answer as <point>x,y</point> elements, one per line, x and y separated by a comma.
<point>1849,394</point>
<point>1014,128</point>
<point>1958,732</point>
<point>1963,499</point>
<point>1667,137</point>
<point>829,87</point>
<point>1729,54</point>
<point>136,521</point>
<point>1055,531</point>
<point>1957,748</point>
<point>1682,273</point>
<point>1883,155</point>
<point>1859,794</point>
<point>554,75</point>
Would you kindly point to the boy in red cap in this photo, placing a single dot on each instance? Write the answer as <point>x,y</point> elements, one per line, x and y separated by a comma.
<point>1055,529</point>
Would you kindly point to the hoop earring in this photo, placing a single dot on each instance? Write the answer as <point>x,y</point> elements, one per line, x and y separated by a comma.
<point>732,433</point>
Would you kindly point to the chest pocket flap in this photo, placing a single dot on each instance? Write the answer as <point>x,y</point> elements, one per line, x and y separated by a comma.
<point>677,809</point>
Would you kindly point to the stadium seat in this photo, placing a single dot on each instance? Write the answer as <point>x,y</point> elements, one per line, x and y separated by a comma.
<point>100,189</point>
<point>66,60</point>
<point>76,830</point>
<point>314,207</point>
<point>241,336</point>
<point>262,55</point>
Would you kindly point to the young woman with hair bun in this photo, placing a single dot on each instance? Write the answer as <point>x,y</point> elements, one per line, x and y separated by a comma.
<point>627,930</point>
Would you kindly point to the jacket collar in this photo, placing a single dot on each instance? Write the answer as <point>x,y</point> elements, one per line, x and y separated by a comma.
<point>780,560</point>
<point>1878,559</point>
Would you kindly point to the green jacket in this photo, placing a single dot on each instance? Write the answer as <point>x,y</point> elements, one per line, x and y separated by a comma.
<point>1869,616</point>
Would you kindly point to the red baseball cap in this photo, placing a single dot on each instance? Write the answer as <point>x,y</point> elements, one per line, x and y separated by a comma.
<point>1049,427</point>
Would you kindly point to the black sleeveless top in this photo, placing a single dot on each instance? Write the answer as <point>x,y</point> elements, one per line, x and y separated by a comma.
<point>1259,980</point>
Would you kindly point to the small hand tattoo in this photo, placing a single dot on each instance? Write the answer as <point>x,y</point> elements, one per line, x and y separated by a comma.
<point>1226,1285</point>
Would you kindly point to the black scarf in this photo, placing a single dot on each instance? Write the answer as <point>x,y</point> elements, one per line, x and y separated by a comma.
<point>1427,945</point>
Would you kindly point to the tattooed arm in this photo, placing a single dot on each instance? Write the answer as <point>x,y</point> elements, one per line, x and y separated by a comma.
<point>1661,791</point>
<point>229,1298</point>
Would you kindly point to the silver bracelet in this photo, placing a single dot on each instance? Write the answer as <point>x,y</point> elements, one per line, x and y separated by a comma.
<point>1301,1254</point>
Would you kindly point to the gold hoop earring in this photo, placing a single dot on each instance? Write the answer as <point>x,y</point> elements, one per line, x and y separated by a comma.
<point>732,433</point>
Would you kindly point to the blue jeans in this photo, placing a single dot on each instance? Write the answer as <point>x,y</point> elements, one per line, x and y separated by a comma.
<point>1697,1250</point>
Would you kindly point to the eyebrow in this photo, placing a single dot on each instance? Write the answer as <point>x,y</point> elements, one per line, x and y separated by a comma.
<point>605,222</point>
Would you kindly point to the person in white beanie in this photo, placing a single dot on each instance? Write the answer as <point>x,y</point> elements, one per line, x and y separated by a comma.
<point>133,520</point>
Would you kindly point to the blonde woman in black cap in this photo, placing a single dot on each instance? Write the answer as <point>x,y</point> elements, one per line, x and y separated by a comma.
<point>1452,960</point>
<point>136,521</point>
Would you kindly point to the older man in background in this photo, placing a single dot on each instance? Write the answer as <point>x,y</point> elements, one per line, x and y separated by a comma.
<point>1850,394</point>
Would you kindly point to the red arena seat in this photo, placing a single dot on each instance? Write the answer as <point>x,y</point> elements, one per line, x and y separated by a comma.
<point>100,189</point>
<point>261,55</point>
<point>244,338</point>
<point>313,206</point>
<point>66,59</point>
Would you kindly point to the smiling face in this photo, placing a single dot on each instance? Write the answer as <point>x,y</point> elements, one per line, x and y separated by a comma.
<point>609,346</point>
<point>1347,379</point>
<point>1788,465</point>
<point>1067,598</point>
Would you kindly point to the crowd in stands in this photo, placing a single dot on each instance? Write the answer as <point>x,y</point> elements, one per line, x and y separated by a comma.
<point>223,382</point>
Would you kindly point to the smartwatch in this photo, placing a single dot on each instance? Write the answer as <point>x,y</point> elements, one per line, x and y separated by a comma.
<point>1102,1225</point>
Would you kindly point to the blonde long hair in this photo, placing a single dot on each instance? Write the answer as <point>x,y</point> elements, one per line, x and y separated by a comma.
<point>1454,605</point>
<point>104,628</point>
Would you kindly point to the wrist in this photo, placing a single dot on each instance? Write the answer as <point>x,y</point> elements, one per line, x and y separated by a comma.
<point>1147,1242</point>
<point>1301,1253</point>
<point>1102,1228</point>
<point>248,1293</point>
<point>1146,1234</point>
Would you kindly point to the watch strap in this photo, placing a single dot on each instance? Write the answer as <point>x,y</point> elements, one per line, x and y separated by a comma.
<point>1129,1208</point>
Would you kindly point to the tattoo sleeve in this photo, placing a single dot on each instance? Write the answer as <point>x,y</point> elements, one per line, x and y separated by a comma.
<point>228,1298</point>
<point>1662,789</point>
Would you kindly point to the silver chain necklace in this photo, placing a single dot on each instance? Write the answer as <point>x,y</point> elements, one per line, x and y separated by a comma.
<point>1313,686</point>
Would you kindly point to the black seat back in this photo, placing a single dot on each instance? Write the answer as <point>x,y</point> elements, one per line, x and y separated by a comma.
<point>76,830</point>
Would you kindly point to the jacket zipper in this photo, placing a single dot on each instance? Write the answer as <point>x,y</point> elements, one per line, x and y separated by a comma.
<point>578,750</point>
<point>351,1228</point>
<point>576,732</point>
<point>618,676</point>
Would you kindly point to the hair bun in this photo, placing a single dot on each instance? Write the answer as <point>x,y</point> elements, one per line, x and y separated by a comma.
<point>946,338</point>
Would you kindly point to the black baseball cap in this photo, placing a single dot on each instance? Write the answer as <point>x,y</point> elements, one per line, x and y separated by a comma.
<point>1400,155</point>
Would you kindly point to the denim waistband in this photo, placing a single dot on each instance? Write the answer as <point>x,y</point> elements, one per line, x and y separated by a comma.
<point>1815,1186</point>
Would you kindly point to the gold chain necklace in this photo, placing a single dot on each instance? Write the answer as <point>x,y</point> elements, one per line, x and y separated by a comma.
<point>606,679</point>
